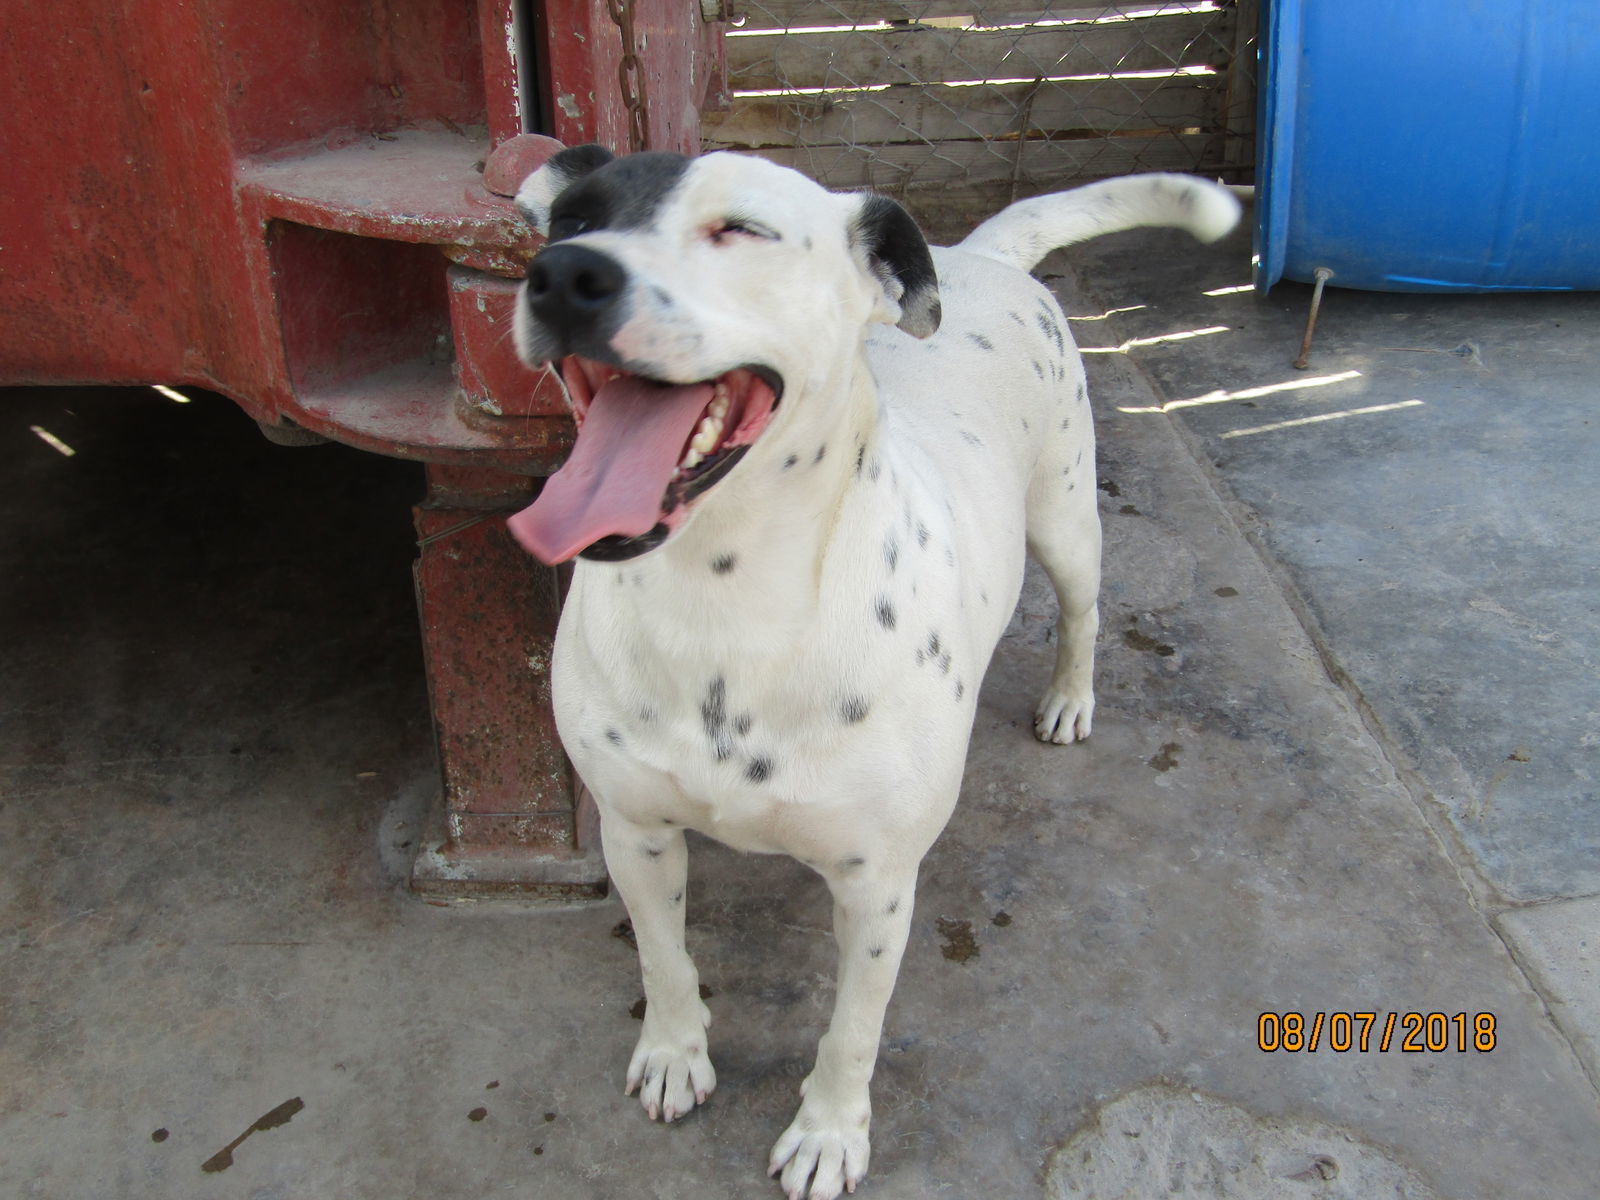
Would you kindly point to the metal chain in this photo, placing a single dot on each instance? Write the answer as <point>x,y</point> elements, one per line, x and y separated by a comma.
<point>630,76</point>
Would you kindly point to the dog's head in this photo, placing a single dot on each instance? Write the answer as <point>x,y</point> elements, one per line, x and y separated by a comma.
<point>687,304</point>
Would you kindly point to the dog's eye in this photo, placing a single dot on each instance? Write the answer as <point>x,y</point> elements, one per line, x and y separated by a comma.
<point>736,227</point>
<point>565,226</point>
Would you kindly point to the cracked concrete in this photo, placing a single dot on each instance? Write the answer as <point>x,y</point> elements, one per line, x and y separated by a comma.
<point>214,762</point>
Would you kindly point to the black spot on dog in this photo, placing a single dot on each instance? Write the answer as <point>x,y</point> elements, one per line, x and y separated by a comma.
<point>1047,323</point>
<point>724,563</point>
<point>1038,368</point>
<point>933,644</point>
<point>790,461</point>
<point>922,535</point>
<point>676,899</point>
<point>714,708</point>
<point>759,770</point>
<point>1026,428</point>
<point>874,470</point>
<point>971,439</point>
<point>742,723</point>
<point>1083,393</point>
<point>647,715</point>
<point>961,689</point>
<point>853,711</point>
<point>714,717</point>
<point>885,612</point>
<point>821,450</point>
<point>1066,422</point>
<point>653,851</point>
<point>861,456</point>
<point>875,951</point>
<point>894,906</point>
<point>983,594</point>
<point>891,550</point>
<point>981,342</point>
<point>944,663</point>
<point>852,863</point>
<point>921,657</point>
<point>613,737</point>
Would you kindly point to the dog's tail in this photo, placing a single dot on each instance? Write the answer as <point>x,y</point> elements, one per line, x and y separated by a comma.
<point>1027,231</point>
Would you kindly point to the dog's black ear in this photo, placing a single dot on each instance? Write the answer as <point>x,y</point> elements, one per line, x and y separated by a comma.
<point>897,254</point>
<point>539,190</point>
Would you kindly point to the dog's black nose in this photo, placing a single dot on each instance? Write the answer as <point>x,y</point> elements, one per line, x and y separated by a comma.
<point>570,288</point>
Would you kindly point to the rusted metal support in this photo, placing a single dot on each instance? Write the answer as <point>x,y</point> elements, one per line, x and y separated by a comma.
<point>306,207</point>
<point>1322,275</point>
<point>510,820</point>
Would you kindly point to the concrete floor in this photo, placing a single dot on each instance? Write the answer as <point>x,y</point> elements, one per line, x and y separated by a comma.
<point>1341,763</point>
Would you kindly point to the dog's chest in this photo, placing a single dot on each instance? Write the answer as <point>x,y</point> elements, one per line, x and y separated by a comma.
<point>732,719</point>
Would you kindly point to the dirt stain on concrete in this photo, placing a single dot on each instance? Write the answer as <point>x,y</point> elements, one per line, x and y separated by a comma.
<point>960,944</point>
<point>1143,641</point>
<point>1168,758</point>
<point>282,1115</point>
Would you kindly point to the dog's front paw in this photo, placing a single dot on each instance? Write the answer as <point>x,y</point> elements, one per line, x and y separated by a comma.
<point>826,1148</point>
<point>671,1072</point>
<point>1063,719</point>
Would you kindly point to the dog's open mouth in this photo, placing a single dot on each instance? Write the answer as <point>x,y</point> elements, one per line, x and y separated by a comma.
<point>646,451</point>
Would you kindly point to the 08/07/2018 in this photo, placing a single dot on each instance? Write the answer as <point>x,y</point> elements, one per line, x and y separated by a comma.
<point>1433,1032</point>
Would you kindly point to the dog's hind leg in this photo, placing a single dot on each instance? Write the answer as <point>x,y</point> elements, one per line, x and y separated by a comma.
<point>669,1068</point>
<point>1064,535</point>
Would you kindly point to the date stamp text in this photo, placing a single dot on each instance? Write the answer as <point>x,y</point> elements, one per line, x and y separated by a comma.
<point>1366,1032</point>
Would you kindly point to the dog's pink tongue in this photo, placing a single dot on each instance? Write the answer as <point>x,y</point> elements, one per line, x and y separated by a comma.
<point>627,449</point>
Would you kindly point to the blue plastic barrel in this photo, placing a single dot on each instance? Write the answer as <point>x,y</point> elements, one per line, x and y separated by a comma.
<point>1430,145</point>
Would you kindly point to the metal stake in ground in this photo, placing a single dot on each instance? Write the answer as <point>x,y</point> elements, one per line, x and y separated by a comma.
<point>1322,275</point>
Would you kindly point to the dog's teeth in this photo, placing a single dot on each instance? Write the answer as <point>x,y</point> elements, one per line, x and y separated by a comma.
<point>692,459</point>
<point>706,437</point>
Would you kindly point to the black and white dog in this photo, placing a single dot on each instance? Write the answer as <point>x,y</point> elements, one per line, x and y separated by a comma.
<point>810,453</point>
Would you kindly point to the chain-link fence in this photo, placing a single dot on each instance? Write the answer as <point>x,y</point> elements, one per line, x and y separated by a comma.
<point>909,95</point>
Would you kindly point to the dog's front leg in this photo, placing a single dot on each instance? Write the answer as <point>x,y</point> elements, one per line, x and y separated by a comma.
<point>827,1145</point>
<point>669,1067</point>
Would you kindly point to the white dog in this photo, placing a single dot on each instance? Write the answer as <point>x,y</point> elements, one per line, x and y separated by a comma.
<point>800,502</point>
